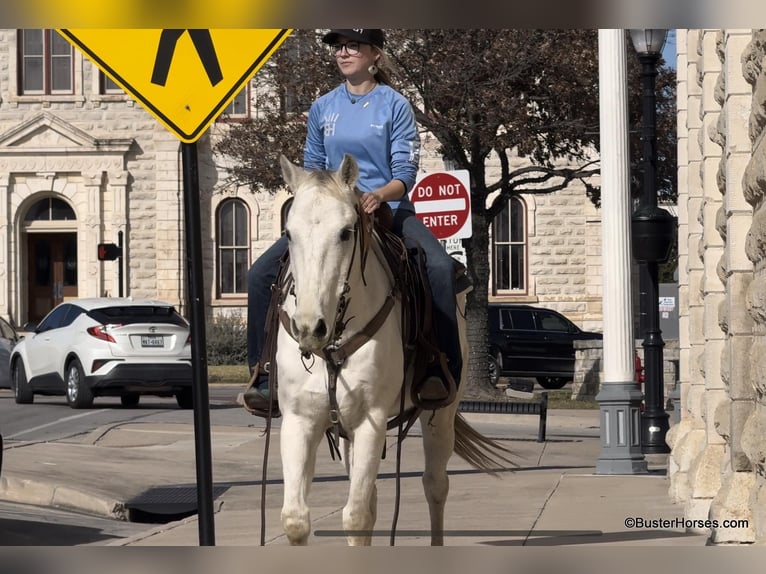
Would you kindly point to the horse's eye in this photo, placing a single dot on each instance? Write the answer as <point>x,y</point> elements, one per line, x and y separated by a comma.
<point>345,235</point>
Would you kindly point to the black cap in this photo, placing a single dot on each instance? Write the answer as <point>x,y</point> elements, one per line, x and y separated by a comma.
<point>373,36</point>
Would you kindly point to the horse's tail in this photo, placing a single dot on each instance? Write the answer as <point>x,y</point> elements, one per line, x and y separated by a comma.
<point>481,452</point>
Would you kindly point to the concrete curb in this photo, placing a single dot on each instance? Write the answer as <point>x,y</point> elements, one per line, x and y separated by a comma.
<point>41,493</point>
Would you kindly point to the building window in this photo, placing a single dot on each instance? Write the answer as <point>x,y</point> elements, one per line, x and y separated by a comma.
<point>509,248</point>
<point>50,209</point>
<point>233,247</point>
<point>238,108</point>
<point>46,63</point>
<point>107,85</point>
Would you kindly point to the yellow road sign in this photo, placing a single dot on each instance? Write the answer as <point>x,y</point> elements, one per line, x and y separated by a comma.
<point>184,78</point>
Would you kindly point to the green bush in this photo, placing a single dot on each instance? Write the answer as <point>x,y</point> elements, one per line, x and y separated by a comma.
<point>227,340</point>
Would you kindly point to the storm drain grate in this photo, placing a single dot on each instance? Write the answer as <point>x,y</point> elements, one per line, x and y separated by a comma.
<point>164,504</point>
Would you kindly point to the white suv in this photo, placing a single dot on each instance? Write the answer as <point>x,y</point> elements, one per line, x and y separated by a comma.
<point>86,348</point>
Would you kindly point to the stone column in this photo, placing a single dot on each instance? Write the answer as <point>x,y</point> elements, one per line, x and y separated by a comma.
<point>687,439</point>
<point>705,472</point>
<point>734,220</point>
<point>754,428</point>
<point>117,184</point>
<point>90,280</point>
<point>619,399</point>
<point>6,228</point>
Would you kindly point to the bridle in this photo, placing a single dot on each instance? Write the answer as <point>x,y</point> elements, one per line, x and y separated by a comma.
<point>337,351</point>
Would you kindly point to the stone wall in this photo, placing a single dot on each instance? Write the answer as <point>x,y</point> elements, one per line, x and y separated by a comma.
<point>716,465</point>
<point>587,379</point>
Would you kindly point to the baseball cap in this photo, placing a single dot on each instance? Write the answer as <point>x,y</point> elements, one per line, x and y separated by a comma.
<point>373,36</point>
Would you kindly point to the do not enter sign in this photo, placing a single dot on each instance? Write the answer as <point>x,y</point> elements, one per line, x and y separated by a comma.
<point>443,203</point>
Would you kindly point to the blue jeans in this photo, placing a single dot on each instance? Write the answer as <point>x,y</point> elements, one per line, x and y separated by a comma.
<point>441,277</point>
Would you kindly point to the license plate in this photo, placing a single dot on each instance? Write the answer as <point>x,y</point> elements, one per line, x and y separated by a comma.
<point>152,341</point>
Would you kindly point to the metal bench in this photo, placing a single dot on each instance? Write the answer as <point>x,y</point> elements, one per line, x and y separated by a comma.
<point>512,408</point>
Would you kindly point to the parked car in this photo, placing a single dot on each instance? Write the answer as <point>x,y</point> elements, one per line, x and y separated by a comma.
<point>88,348</point>
<point>8,338</point>
<point>526,341</point>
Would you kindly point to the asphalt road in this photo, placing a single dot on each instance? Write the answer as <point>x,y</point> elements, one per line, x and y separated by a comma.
<point>49,418</point>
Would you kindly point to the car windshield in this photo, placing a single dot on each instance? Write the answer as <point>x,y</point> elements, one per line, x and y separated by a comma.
<point>137,314</point>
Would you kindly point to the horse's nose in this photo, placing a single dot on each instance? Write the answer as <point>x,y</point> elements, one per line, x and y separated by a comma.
<point>320,331</point>
<point>309,333</point>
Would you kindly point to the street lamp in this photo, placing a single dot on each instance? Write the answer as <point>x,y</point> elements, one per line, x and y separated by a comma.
<point>653,235</point>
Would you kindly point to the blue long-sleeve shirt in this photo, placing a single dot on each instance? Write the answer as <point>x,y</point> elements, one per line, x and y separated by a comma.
<point>378,129</point>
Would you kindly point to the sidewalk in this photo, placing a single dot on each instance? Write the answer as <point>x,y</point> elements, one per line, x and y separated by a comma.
<point>552,499</point>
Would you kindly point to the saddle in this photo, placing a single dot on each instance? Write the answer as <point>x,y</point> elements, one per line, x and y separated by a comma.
<point>422,354</point>
<point>407,267</point>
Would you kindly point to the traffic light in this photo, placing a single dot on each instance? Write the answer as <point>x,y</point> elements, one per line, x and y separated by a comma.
<point>109,251</point>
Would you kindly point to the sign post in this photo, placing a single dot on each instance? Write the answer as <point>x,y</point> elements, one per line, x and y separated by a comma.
<point>185,78</point>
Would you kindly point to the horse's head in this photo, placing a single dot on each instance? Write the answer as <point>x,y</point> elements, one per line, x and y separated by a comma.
<point>321,228</point>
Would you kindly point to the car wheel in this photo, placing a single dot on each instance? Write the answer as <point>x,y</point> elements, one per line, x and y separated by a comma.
<point>185,399</point>
<point>494,369</point>
<point>552,383</point>
<point>22,392</point>
<point>78,394</point>
<point>130,400</point>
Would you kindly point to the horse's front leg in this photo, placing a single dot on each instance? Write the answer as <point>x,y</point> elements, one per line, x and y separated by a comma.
<point>359,513</point>
<point>299,439</point>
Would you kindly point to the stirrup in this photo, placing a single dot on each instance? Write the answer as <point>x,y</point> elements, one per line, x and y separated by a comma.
<point>434,393</point>
<point>254,401</point>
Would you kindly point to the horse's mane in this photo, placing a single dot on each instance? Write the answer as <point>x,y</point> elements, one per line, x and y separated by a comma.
<point>325,182</point>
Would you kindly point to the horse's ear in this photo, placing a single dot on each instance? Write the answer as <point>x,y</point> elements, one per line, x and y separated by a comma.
<point>290,172</point>
<point>348,171</point>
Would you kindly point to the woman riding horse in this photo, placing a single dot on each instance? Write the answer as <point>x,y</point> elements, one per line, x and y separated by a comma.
<point>367,118</point>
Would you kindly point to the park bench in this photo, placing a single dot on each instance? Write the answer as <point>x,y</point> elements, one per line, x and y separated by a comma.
<point>539,408</point>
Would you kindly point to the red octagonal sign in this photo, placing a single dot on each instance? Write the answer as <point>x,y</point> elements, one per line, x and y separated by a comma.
<point>443,203</point>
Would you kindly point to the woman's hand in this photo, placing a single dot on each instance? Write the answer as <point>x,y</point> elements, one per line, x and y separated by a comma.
<point>370,201</point>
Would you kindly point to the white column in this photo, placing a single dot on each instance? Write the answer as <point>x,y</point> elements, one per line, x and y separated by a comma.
<point>619,397</point>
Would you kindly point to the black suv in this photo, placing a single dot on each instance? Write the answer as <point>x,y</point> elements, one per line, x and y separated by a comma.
<point>526,341</point>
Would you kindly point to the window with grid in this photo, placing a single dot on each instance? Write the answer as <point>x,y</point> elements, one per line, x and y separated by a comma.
<point>46,63</point>
<point>107,85</point>
<point>238,108</point>
<point>233,247</point>
<point>509,248</point>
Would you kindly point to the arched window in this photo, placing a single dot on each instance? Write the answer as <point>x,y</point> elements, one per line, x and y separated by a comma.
<point>50,209</point>
<point>509,248</point>
<point>233,234</point>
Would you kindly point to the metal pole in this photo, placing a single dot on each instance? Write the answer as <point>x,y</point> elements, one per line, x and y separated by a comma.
<point>121,265</point>
<point>199,354</point>
<point>654,420</point>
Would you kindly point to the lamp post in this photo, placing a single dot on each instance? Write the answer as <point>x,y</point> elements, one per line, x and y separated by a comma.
<point>653,234</point>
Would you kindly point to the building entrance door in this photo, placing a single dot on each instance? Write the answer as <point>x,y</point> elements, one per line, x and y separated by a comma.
<point>51,271</point>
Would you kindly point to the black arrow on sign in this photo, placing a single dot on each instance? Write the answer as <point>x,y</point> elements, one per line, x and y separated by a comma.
<point>203,43</point>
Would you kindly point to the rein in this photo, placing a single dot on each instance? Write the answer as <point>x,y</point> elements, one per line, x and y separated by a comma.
<point>335,353</point>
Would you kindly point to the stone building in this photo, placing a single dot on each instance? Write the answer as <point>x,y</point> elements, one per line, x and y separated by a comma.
<point>81,164</point>
<point>717,465</point>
